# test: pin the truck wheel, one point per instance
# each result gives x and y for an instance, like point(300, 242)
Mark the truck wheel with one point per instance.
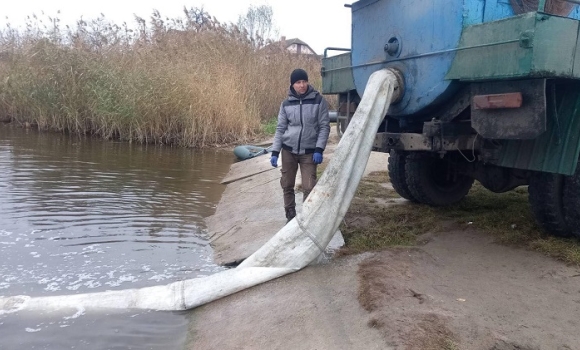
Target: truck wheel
point(572, 202)
point(397, 175)
point(433, 181)
point(546, 192)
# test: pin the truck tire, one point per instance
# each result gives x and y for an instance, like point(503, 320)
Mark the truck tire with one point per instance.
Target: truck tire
point(397, 175)
point(546, 192)
point(432, 181)
point(572, 202)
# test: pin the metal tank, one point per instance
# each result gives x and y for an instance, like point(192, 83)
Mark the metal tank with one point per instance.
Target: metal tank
point(423, 38)
point(491, 92)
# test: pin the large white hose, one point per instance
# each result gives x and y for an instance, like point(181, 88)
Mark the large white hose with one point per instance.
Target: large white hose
point(296, 245)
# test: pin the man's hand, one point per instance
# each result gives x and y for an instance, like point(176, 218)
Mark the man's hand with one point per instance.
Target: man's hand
point(274, 161)
point(317, 158)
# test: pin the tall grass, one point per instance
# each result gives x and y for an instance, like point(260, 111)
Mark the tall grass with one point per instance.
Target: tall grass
point(190, 81)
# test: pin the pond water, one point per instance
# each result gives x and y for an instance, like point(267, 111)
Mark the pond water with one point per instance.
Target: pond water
point(80, 215)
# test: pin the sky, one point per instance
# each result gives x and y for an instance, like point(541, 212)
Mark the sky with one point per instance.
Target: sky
point(319, 23)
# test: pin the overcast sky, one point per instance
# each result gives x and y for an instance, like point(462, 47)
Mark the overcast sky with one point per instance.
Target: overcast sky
point(320, 23)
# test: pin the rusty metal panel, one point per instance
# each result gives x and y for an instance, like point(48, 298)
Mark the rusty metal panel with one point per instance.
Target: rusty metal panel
point(402, 141)
point(558, 149)
point(387, 141)
point(526, 122)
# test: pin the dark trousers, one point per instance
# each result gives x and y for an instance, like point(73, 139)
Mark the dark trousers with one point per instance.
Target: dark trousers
point(290, 164)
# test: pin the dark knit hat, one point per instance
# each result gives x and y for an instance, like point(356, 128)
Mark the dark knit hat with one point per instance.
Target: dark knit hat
point(298, 74)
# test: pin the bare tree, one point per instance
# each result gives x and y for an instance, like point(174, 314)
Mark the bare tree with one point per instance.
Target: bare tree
point(258, 22)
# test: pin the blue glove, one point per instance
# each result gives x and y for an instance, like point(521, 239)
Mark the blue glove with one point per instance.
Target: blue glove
point(317, 158)
point(274, 161)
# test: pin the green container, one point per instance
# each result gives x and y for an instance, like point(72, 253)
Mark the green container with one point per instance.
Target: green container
point(337, 74)
point(529, 45)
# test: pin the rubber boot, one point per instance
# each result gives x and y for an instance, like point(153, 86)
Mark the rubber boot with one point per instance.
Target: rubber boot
point(290, 214)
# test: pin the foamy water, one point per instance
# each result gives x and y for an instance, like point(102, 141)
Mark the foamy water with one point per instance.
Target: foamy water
point(81, 216)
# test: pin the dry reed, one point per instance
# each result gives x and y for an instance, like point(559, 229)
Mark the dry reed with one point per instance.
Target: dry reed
point(190, 81)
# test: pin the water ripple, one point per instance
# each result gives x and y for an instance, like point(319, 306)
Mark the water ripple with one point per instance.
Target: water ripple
point(102, 211)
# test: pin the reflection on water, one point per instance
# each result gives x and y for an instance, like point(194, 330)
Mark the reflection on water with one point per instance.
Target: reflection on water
point(112, 329)
point(81, 215)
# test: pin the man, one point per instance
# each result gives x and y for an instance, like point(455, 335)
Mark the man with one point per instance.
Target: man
point(301, 136)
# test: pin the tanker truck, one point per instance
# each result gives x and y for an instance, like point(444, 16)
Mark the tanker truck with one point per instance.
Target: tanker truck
point(490, 91)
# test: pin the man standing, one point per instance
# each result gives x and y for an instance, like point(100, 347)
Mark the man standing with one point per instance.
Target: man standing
point(301, 135)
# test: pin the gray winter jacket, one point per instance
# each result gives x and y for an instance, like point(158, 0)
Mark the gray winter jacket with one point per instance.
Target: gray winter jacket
point(303, 123)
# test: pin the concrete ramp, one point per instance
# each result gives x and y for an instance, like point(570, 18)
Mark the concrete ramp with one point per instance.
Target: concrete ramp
point(248, 168)
point(237, 229)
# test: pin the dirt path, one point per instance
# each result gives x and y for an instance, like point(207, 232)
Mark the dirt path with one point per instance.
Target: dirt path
point(459, 290)
point(462, 291)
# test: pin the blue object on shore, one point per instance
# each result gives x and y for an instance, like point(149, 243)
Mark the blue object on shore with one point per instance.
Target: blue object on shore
point(244, 152)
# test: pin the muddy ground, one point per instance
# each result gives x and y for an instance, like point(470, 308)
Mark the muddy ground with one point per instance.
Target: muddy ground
point(457, 289)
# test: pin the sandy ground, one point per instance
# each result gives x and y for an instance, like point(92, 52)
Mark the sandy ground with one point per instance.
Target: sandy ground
point(457, 290)
point(461, 288)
